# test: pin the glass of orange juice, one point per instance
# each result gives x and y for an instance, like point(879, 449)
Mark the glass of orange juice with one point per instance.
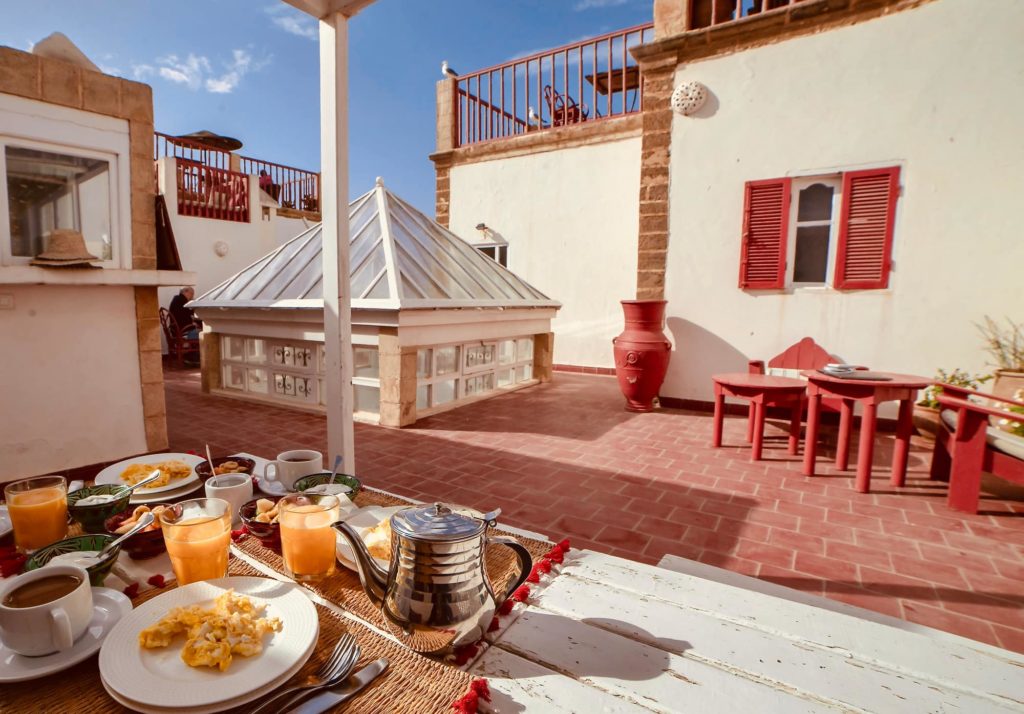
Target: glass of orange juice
point(307, 539)
point(38, 508)
point(198, 536)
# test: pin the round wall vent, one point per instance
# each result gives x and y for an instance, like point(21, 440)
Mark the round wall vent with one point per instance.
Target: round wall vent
point(688, 97)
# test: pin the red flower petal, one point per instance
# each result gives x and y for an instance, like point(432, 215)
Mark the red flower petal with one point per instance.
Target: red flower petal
point(157, 581)
point(132, 590)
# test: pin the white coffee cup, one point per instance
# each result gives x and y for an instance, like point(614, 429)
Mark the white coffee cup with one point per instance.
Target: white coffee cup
point(290, 466)
point(236, 489)
point(51, 626)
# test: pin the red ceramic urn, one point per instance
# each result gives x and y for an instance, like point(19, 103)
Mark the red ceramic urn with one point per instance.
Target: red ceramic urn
point(641, 353)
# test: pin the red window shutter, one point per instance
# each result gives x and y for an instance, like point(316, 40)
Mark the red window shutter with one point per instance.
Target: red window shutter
point(864, 253)
point(765, 226)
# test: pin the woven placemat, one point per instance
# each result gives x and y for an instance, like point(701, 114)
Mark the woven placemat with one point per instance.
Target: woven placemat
point(343, 588)
point(413, 683)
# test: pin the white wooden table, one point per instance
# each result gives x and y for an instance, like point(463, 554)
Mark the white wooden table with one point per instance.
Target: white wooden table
point(611, 635)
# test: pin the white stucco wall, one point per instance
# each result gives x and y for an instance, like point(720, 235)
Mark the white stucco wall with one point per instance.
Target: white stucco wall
point(936, 90)
point(196, 238)
point(69, 379)
point(570, 218)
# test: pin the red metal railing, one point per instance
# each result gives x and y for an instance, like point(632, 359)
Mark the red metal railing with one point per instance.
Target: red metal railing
point(580, 82)
point(209, 192)
point(289, 186)
point(705, 13)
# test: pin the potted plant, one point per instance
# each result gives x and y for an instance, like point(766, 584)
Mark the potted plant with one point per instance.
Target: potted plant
point(1006, 347)
point(926, 411)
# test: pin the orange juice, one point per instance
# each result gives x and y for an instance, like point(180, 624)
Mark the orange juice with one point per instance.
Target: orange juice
point(198, 547)
point(39, 511)
point(307, 539)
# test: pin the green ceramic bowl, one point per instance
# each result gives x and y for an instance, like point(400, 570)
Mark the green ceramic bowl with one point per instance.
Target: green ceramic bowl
point(78, 544)
point(325, 477)
point(92, 517)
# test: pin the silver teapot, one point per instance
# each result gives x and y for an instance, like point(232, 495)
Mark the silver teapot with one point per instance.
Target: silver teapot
point(435, 596)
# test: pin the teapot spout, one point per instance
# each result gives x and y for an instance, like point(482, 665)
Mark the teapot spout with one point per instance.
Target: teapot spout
point(374, 578)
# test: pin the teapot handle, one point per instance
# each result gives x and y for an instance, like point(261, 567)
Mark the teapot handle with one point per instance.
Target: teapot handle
point(525, 563)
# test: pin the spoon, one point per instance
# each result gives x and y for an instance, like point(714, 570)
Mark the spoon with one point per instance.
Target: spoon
point(152, 477)
point(209, 460)
point(337, 465)
point(147, 519)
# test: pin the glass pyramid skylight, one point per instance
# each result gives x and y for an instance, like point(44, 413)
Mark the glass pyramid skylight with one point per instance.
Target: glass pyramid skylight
point(399, 259)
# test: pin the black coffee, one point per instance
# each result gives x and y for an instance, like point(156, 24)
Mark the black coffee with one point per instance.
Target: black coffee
point(296, 459)
point(42, 591)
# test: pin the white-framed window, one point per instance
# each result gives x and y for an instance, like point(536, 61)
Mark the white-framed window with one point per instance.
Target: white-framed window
point(63, 168)
point(450, 373)
point(814, 214)
point(497, 252)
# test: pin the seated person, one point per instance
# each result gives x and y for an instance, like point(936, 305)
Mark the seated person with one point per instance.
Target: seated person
point(183, 317)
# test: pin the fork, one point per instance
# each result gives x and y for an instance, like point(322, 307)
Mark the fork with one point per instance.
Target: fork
point(335, 669)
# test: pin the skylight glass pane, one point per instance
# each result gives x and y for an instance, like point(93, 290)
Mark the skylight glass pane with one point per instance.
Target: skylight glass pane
point(364, 275)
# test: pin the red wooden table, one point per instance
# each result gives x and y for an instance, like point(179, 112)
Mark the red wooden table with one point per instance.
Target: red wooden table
point(763, 391)
point(869, 392)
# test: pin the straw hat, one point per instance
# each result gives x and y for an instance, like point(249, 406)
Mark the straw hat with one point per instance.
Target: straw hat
point(65, 248)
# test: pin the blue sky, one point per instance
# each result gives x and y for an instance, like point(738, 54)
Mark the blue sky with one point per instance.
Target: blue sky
point(249, 68)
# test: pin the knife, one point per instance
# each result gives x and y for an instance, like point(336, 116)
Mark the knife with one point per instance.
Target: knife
point(352, 686)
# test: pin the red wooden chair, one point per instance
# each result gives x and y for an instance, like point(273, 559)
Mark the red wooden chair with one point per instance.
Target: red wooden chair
point(564, 109)
point(803, 355)
point(966, 445)
point(179, 343)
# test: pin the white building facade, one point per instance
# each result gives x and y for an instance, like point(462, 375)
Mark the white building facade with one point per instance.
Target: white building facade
point(850, 178)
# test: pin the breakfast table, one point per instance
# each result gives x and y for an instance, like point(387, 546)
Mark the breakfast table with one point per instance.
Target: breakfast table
point(592, 632)
point(762, 391)
point(871, 393)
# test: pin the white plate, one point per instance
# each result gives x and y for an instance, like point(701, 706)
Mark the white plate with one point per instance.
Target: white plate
point(363, 520)
point(165, 496)
point(108, 606)
point(5, 522)
point(153, 678)
point(112, 474)
point(261, 691)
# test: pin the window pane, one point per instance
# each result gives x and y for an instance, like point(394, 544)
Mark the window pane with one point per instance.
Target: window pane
point(478, 385)
point(423, 358)
point(234, 348)
point(506, 377)
point(444, 392)
point(524, 348)
point(367, 362)
point(507, 352)
point(234, 377)
point(258, 381)
point(367, 399)
point(478, 355)
point(423, 396)
point(525, 372)
point(255, 351)
point(447, 360)
point(46, 191)
point(815, 203)
point(811, 259)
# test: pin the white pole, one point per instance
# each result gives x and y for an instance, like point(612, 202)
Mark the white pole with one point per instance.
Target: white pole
point(334, 209)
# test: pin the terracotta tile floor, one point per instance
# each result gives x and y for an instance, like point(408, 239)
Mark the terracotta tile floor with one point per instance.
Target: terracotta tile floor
point(565, 459)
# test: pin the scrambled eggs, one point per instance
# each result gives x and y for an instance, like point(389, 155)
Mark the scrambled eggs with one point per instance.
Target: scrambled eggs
point(233, 626)
point(169, 470)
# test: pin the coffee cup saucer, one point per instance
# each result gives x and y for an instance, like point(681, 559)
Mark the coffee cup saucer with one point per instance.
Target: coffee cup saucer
point(108, 606)
point(272, 488)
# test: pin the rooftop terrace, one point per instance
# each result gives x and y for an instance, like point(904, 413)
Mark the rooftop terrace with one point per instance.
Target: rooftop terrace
point(564, 459)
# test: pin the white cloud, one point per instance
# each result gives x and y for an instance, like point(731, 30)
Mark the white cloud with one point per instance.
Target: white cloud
point(236, 69)
point(293, 22)
point(196, 71)
point(189, 71)
point(596, 4)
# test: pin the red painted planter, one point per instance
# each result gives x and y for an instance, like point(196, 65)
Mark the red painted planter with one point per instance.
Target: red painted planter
point(641, 353)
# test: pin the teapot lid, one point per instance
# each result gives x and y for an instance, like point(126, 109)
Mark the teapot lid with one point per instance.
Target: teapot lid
point(438, 522)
